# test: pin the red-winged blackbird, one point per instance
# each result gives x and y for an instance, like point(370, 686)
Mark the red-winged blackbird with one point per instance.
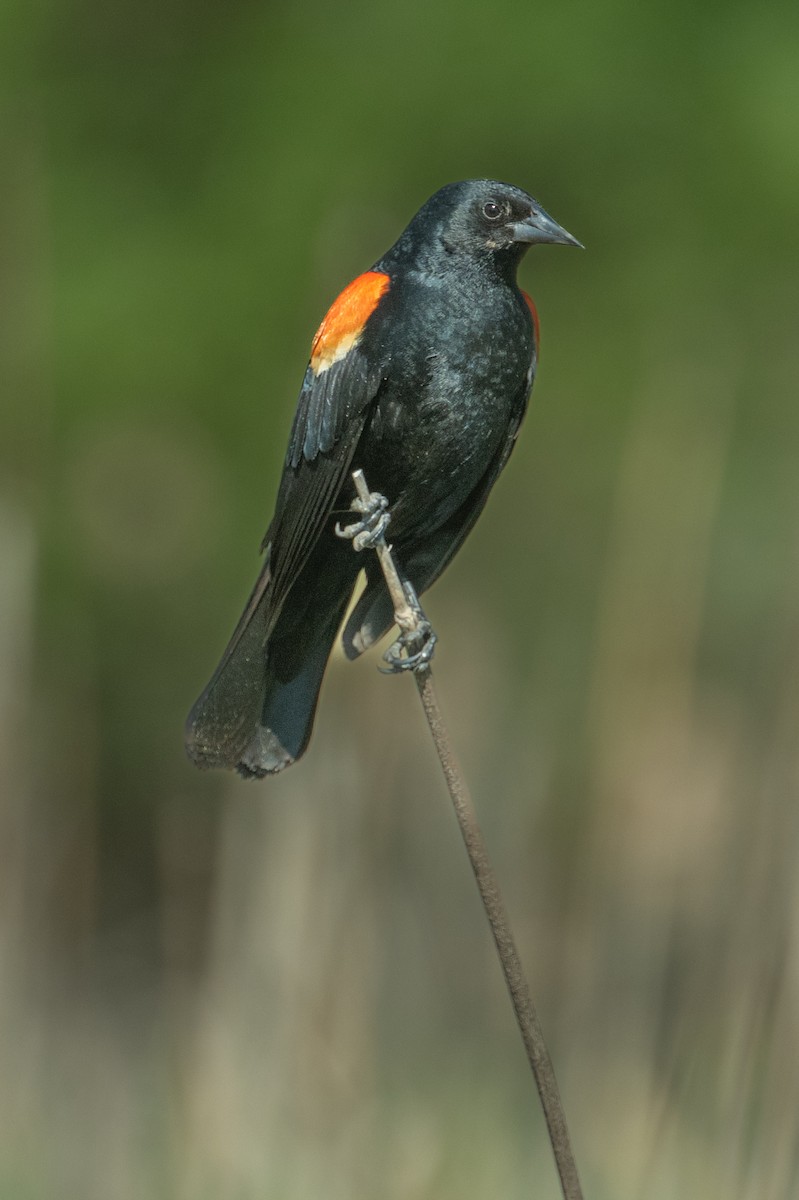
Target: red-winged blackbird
point(420, 375)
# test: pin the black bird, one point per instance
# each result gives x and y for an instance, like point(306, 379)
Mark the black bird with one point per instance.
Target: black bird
point(420, 375)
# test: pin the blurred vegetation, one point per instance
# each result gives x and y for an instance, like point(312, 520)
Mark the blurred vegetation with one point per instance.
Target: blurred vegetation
point(215, 989)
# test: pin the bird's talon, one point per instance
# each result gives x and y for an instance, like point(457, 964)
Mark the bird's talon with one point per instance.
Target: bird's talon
point(369, 531)
point(347, 531)
point(374, 502)
point(370, 537)
point(412, 651)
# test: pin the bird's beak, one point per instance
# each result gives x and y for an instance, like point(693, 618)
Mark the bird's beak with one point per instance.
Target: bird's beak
point(540, 227)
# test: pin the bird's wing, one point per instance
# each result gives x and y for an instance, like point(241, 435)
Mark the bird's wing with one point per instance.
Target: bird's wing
point(340, 383)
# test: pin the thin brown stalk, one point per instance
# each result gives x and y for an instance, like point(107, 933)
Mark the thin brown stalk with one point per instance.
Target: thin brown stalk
point(408, 619)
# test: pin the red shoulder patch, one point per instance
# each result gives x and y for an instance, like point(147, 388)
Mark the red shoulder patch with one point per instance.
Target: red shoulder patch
point(345, 320)
point(536, 327)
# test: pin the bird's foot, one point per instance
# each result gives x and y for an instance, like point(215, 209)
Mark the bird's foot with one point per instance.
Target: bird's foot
point(414, 648)
point(367, 533)
point(412, 651)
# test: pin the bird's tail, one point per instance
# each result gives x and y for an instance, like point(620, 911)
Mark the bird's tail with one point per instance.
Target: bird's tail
point(256, 715)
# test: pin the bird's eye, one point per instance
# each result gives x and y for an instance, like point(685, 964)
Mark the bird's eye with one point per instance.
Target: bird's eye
point(491, 210)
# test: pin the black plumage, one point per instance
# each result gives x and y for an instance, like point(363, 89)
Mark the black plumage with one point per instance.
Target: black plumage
point(420, 375)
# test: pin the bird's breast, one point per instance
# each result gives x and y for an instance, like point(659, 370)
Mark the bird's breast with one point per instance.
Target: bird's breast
point(446, 405)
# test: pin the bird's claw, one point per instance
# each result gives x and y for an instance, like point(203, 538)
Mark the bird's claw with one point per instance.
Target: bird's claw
point(412, 651)
point(414, 648)
point(367, 533)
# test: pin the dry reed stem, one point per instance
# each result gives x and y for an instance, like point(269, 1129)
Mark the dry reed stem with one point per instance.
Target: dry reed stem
point(529, 1026)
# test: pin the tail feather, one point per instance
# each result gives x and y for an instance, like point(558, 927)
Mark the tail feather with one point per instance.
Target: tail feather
point(256, 715)
point(289, 706)
point(221, 722)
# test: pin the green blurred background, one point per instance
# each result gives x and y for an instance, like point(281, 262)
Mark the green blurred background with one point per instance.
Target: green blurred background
point(214, 989)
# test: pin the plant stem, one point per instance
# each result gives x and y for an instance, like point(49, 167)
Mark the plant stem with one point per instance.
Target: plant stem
point(529, 1026)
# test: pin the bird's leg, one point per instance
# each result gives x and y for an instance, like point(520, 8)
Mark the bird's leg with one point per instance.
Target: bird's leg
point(414, 647)
point(367, 533)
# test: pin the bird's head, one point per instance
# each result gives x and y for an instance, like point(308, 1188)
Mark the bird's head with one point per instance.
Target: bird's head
point(485, 218)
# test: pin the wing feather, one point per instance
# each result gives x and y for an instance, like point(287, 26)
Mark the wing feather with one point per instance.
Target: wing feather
point(331, 414)
point(223, 719)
